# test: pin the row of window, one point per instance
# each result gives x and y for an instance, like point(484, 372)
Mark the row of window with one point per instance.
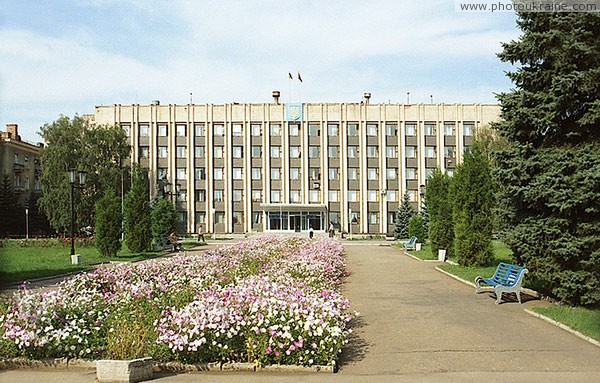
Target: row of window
point(295, 152)
point(314, 129)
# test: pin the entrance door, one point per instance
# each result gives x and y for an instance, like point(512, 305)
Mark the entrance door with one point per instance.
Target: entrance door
point(295, 223)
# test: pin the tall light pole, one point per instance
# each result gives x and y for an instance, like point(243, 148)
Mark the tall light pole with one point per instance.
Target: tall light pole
point(26, 224)
point(82, 176)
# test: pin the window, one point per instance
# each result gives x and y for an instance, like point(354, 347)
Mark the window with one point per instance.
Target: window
point(372, 129)
point(238, 218)
point(372, 152)
point(199, 151)
point(314, 173)
point(428, 172)
point(256, 217)
point(275, 173)
point(256, 151)
point(334, 196)
point(391, 196)
point(200, 217)
point(126, 129)
point(200, 195)
point(373, 174)
point(219, 217)
point(199, 128)
point(353, 130)
point(391, 218)
point(294, 173)
point(314, 130)
point(391, 152)
point(334, 173)
point(181, 216)
point(430, 152)
point(352, 151)
point(16, 158)
point(218, 195)
point(182, 152)
point(450, 172)
point(391, 130)
point(412, 195)
point(314, 152)
point(180, 130)
point(162, 152)
point(144, 152)
point(411, 129)
point(333, 129)
point(294, 152)
point(295, 196)
point(352, 196)
point(162, 130)
point(26, 183)
point(256, 129)
point(333, 152)
point(181, 196)
point(144, 130)
point(373, 218)
point(218, 173)
point(275, 151)
point(334, 217)
point(275, 129)
point(449, 151)
point(275, 196)
point(257, 195)
point(429, 129)
point(355, 217)
point(236, 195)
point(411, 174)
point(181, 173)
point(218, 130)
point(237, 130)
point(161, 173)
point(448, 129)
point(468, 128)
point(352, 173)
point(294, 129)
point(218, 152)
point(238, 152)
point(314, 196)
point(256, 173)
point(411, 152)
point(237, 174)
point(391, 174)
point(372, 195)
point(199, 173)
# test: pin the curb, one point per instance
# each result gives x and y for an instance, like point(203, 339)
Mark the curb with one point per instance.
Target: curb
point(564, 327)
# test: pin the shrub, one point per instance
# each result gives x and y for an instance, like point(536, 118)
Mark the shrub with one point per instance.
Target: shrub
point(164, 219)
point(416, 228)
point(108, 225)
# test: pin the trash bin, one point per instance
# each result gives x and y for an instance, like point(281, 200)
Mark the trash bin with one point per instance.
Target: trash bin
point(442, 255)
point(418, 246)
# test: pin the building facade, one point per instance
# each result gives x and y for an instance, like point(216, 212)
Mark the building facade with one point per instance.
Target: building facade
point(278, 167)
point(20, 160)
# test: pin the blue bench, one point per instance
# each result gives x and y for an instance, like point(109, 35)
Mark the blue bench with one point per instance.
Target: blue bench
point(507, 278)
point(411, 243)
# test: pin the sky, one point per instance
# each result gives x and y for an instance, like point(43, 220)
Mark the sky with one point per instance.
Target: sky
point(60, 57)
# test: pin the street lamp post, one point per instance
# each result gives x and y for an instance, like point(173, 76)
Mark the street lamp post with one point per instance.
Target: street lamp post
point(26, 224)
point(82, 176)
point(214, 214)
point(350, 222)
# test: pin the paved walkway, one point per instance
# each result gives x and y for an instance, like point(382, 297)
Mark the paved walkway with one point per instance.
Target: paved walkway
point(418, 325)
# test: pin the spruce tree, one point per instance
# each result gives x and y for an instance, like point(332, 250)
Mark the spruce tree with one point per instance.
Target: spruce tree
point(472, 211)
point(10, 208)
point(108, 225)
point(164, 219)
point(138, 214)
point(403, 214)
point(549, 171)
point(439, 206)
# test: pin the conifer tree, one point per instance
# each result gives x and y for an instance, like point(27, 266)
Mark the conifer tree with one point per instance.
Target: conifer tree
point(403, 214)
point(138, 214)
point(9, 207)
point(439, 206)
point(164, 219)
point(108, 225)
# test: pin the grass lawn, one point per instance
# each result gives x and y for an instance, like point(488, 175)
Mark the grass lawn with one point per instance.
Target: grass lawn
point(585, 321)
point(424, 254)
point(23, 263)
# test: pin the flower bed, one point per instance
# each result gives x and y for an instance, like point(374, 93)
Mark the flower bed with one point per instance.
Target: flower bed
point(266, 301)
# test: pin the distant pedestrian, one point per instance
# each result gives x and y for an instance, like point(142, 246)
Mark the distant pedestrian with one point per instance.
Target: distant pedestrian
point(331, 230)
point(201, 234)
point(311, 233)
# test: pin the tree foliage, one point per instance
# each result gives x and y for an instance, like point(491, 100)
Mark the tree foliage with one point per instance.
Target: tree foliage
point(74, 144)
point(550, 171)
point(473, 197)
point(164, 219)
point(439, 207)
point(108, 225)
point(403, 214)
point(138, 213)
point(416, 227)
point(12, 212)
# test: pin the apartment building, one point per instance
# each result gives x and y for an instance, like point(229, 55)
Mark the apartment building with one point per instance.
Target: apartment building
point(275, 167)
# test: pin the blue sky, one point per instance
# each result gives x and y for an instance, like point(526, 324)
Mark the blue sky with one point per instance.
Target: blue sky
point(65, 57)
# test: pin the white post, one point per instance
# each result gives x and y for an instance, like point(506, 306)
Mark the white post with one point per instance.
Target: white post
point(214, 214)
point(27, 224)
point(350, 222)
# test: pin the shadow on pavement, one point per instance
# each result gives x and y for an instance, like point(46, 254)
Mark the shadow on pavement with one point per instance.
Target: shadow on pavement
point(357, 347)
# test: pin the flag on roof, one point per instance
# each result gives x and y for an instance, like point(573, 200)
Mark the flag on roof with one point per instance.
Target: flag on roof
point(289, 74)
point(299, 77)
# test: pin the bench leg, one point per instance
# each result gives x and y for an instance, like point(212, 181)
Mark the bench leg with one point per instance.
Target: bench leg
point(498, 290)
point(477, 285)
point(518, 294)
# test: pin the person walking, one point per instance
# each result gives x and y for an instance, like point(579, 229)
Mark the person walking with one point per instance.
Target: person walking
point(311, 233)
point(201, 234)
point(331, 230)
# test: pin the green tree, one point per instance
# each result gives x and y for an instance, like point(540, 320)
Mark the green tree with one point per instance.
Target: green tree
point(472, 190)
point(439, 207)
point(425, 214)
point(138, 213)
point(75, 144)
point(164, 219)
point(108, 225)
point(38, 223)
point(403, 214)
point(416, 227)
point(550, 170)
point(10, 208)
